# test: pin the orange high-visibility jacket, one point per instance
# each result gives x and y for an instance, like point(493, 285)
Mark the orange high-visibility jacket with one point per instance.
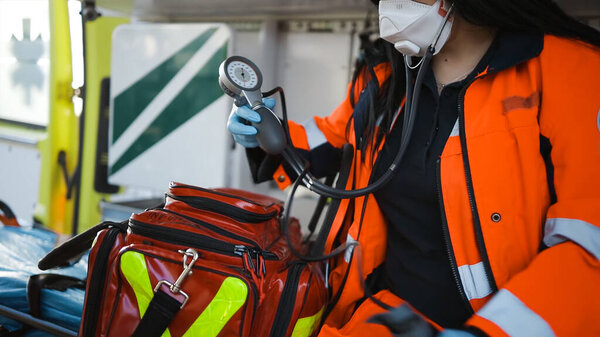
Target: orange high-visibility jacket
point(497, 196)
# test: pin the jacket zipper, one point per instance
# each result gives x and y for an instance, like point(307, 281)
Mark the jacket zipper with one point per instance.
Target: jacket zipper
point(223, 208)
point(447, 240)
point(212, 227)
point(97, 282)
point(184, 238)
point(470, 190)
point(287, 302)
point(222, 194)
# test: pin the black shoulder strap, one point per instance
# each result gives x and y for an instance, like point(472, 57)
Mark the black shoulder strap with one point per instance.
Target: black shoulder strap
point(161, 311)
point(78, 244)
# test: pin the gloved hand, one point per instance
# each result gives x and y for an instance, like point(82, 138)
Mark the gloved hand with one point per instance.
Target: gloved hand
point(244, 134)
point(402, 321)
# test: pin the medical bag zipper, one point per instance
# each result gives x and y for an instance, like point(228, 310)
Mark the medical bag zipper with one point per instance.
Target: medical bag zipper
point(287, 302)
point(193, 240)
point(182, 186)
point(212, 227)
point(223, 208)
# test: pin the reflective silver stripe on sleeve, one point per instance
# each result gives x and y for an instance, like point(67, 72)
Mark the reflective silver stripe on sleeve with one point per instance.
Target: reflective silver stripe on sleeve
point(313, 134)
point(474, 281)
point(514, 317)
point(584, 234)
point(349, 250)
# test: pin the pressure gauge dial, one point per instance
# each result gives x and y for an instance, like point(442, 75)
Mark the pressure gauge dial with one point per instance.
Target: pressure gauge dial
point(238, 73)
point(241, 79)
point(243, 75)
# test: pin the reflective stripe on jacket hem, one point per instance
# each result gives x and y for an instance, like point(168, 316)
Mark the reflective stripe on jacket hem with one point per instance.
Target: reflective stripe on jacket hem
point(586, 235)
point(514, 317)
point(474, 281)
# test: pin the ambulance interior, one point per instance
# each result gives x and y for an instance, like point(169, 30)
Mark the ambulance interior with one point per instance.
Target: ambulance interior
point(105, 102)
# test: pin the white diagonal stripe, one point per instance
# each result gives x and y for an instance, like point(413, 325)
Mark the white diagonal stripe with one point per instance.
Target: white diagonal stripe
point(455, 130)
point(474, 281)
point(514, 317)
point(170, 91)
point(314, 135)
point(586, 235)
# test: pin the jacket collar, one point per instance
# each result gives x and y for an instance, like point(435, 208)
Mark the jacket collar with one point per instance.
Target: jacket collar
point(512, 49)
point(508, 49)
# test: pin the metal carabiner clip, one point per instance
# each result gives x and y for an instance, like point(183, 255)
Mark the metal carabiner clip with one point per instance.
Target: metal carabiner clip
point(175, 287)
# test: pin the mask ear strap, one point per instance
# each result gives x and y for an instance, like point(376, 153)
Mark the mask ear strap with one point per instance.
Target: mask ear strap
point(408, 62)
point(439, 32)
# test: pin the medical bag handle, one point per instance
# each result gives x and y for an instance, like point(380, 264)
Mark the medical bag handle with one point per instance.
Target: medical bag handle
point(76, 245)
point(8, 218)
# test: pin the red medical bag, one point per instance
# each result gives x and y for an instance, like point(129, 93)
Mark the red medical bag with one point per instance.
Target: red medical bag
point(209, 262)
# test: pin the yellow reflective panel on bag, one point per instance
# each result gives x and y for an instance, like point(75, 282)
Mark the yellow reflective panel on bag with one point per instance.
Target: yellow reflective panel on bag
point(306, 326)
point(228, 300)
point(133, 266)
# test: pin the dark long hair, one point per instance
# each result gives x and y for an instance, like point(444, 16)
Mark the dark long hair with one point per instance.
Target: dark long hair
point(517, 16)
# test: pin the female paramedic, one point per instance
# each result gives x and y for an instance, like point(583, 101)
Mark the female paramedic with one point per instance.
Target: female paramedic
point(490, 223)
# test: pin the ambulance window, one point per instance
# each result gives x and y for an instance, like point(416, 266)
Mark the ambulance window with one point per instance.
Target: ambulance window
point(76, 29)
point(24, 61)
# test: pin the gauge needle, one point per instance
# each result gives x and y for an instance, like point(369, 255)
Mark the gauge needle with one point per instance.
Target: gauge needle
point(243, 76)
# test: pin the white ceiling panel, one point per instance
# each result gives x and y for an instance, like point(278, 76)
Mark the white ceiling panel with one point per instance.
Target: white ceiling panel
point(186, 10)
point(237, 10)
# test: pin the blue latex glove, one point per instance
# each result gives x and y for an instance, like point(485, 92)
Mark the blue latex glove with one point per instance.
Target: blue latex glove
point(243, 134)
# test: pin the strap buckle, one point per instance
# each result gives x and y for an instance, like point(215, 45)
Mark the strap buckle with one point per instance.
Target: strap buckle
point(175, 287)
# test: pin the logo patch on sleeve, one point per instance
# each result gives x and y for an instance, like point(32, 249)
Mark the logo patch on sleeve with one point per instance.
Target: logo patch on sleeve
point(519, 102)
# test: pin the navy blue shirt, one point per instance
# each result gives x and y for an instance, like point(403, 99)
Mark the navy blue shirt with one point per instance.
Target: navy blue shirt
point(417, 266)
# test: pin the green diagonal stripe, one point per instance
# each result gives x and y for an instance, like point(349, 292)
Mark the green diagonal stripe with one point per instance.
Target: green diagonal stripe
point(131, 102)
point(202, 90)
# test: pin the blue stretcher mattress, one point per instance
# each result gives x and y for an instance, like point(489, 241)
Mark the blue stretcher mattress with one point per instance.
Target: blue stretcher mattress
point(20, 250)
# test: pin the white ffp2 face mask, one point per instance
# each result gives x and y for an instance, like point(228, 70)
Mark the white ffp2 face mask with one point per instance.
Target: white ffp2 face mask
point(412, 26)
